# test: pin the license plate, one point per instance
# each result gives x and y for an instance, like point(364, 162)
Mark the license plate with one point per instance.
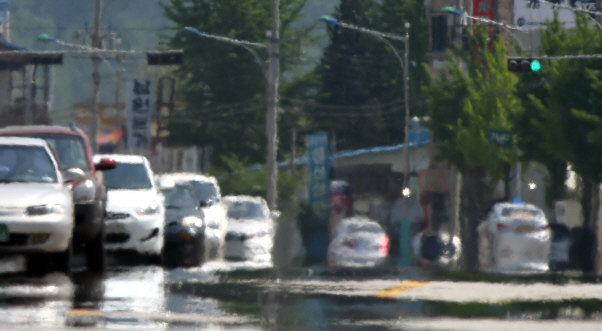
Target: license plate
point(4, 234)
point(115, 228)
point(524, 229)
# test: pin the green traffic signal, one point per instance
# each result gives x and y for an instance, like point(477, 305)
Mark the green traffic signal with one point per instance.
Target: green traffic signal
point(535, 65)
point(523, 65)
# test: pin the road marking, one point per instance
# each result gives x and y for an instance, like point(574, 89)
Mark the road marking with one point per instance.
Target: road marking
point(85, 312)
point(393, 292)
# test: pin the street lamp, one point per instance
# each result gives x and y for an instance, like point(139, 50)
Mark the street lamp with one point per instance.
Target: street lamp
point(242, 43)
point(404, 250)
point(271, 74)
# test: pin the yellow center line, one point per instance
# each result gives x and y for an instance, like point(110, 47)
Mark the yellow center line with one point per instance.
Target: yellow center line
point(85, 312)
point(393, 292)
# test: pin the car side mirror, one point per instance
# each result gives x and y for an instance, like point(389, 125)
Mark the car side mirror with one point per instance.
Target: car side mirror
point(105, 163)
point(74, 175)
point(203, 204)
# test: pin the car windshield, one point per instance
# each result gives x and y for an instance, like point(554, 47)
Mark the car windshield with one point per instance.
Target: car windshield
point(128, 176)
point(518, 212)
point(245, 210)
point(180, 197)
point(27, 164)
point(205, 191)
point(363, 227)
point(69, 150)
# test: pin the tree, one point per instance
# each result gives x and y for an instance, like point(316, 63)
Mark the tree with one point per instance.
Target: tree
point(361, 90)
point(473, 97)
point(221, 82)
point(563, 123)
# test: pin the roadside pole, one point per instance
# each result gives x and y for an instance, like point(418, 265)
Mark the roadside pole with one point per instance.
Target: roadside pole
point(272, 103)
point(96, 43)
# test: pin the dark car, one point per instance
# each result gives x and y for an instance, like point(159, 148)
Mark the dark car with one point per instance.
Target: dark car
point(72, 149)
point(184, 227)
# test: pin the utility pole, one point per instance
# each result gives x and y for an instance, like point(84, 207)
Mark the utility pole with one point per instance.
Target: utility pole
point(272, 103)
point(120, 116)
point(29, 75)
point(293, 149)
point(405, 237)
point(96, 43)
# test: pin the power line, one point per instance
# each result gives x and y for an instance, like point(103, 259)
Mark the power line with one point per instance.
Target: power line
point(562, 57)
point(87, 51)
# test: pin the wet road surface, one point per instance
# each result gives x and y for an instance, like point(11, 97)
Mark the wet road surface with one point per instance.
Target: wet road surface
point(234, 296)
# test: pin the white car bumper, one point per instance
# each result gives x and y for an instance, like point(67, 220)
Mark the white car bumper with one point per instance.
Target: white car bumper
point(258, 248)
point(522, 252)
point(48, 233)
point(143, 234)
point(340, 257)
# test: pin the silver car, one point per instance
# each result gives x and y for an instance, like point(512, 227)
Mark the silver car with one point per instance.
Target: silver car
point(515, 237)
point(358, 242)
point(36, 205)
point(251, 228)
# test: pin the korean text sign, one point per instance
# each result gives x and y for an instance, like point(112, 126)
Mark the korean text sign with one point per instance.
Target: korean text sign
point(318, 165)
point(139, 111)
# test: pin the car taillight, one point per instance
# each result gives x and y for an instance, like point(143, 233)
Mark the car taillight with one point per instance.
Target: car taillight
point(502, 227)
point(545, 228)
point(348, 242)
point(384, 245)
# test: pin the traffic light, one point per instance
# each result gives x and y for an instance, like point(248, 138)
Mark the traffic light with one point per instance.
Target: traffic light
point(523, 65)
point(164, 58)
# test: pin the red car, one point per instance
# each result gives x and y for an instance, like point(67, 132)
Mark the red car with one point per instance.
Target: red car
point(72, 150)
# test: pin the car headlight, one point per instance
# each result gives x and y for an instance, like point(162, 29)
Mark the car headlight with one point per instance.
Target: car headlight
point(44, 210)
point(149, 210)
point(192, 221)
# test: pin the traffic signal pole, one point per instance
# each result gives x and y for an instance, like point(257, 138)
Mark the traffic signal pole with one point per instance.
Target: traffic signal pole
point(96, 43)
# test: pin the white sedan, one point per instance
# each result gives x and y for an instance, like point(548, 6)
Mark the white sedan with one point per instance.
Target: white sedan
point(250, 235)
point(135, 212)
point(515, 237)
point(36, 208)
point(358, 242)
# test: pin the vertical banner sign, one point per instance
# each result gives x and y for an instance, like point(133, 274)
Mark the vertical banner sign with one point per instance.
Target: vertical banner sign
point(318, 165)
point(139, 110)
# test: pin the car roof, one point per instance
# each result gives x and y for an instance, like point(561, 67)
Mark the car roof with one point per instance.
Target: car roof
point(498, 207)
point(40, 129)
point(122, 158)
point(23, 141)
point(359, 220)
point(188, 176)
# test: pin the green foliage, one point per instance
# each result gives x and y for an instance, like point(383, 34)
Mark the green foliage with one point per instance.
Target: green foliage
point(237, 178)
point(563, 122)
point(473, 97)
point(362, 74)
point(222, 83)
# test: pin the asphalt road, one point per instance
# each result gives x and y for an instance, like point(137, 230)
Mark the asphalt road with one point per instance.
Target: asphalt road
point(244, 296)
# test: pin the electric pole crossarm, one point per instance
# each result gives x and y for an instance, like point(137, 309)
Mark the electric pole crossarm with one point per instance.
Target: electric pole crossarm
point(372, 32)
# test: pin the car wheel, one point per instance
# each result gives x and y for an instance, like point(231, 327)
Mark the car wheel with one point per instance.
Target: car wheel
point(38, 264)
point(157, 259)
point(62, 260)
point(199, 254)
point(95, 254)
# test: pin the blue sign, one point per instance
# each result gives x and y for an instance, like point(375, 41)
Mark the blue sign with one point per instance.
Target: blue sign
point(319, 174)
